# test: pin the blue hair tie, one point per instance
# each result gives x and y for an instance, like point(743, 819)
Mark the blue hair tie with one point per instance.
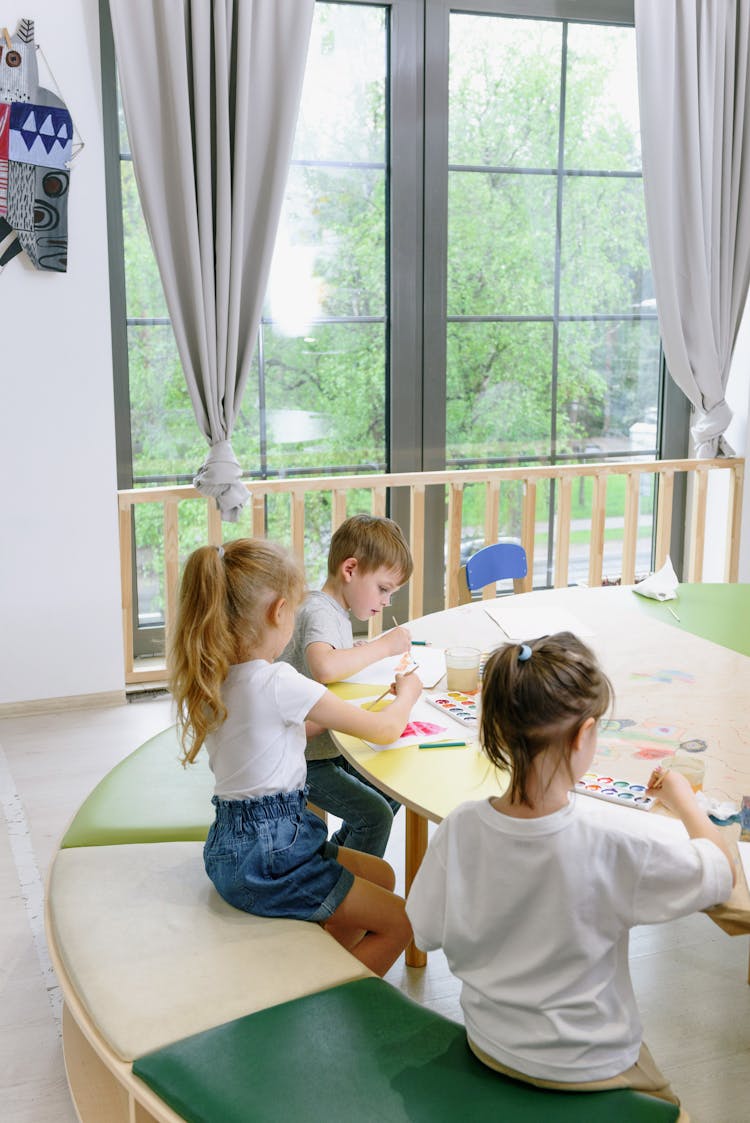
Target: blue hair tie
point(524, 654)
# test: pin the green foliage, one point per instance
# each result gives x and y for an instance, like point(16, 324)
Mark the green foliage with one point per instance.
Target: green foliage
point(522, 385)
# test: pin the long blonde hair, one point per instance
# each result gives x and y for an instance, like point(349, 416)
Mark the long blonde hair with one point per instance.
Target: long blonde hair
point(224, 595)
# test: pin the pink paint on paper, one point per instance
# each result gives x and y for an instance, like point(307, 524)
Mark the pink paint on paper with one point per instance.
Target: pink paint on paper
point(422, 729)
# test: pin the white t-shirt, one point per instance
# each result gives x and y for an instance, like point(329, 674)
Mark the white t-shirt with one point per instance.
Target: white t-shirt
point(534, 916)
point(260, 748)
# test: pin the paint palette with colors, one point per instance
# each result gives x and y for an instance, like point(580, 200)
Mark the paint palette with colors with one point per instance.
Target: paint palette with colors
point(615, 790)
point(461, 707)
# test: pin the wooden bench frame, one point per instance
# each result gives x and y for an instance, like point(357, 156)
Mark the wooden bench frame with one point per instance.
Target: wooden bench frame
point(101, 1085)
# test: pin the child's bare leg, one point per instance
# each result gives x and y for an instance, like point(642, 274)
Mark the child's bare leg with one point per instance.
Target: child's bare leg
point(379, 914)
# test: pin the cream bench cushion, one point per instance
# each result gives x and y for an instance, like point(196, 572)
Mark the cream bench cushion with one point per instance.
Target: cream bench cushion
point(154, 954)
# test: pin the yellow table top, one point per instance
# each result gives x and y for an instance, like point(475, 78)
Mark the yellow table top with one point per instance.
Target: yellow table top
point(671, 687)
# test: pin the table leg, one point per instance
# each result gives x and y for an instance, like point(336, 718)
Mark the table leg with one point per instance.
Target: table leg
point(416, 844)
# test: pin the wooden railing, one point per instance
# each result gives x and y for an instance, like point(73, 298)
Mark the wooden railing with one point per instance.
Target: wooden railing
point(454, 484)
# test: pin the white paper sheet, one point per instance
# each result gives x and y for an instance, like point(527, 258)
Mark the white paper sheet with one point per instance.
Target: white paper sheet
point(430, 667)
point(521, 621)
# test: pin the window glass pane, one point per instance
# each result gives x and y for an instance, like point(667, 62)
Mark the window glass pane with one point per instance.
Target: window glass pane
point(145, 296)
point(604, 263)
point(121, 126)
point(498, 392)
point(548, 230)
point(602, 128)
point(325, 398)
point(607, 395)
point(330, 250)
point(501, 244)
point(342, 115)
point(165, 437)
point(496, 65)
point(149, 564)
point(322, 367)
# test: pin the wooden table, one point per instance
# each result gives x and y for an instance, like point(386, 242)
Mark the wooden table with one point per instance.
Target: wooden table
point(675, 681)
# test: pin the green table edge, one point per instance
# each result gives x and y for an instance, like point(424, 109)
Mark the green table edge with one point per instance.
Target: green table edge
point(720, 613)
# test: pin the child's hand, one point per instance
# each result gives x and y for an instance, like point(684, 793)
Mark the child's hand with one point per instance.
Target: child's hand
point(397, 641)
point(408, 686)
point(672, 788)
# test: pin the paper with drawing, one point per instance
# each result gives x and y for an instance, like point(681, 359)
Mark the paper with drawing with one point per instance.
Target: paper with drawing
point(425, 725)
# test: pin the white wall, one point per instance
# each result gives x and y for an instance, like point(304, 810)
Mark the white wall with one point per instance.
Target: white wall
point(60, 625)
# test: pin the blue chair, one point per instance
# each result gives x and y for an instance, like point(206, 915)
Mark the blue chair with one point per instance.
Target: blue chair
point(495, 563)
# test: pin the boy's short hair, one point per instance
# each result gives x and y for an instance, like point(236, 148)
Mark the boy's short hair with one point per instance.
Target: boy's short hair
point(374, 541)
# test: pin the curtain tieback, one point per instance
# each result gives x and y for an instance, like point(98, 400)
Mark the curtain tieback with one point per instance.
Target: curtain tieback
point(220, 476)
point(708, 432)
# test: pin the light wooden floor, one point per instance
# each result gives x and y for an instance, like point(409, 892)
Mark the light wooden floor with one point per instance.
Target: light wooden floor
point(690, 978)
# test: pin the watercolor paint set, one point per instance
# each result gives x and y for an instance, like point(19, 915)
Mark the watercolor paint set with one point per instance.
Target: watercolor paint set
point(461, 707)
point(616, 791)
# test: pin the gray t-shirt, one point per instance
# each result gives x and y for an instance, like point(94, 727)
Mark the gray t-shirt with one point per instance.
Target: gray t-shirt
point(321, 619)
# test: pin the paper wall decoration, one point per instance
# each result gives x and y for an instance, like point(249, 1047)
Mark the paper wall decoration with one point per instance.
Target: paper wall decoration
point(36, 147)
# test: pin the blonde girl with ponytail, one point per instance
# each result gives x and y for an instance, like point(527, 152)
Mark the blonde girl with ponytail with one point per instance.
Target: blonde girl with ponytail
point(266, 852)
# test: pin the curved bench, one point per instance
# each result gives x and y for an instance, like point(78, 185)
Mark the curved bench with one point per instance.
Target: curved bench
point(147, 952)
point(180, 1007)
point(147, 797)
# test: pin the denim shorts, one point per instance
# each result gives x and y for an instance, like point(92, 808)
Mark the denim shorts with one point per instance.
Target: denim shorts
point(270, 856)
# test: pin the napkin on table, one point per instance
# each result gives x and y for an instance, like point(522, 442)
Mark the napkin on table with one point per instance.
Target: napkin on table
point(661, 585)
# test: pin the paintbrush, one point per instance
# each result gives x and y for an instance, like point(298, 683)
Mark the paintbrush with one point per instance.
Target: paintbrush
point(497, 622)
point(656, 779)
point(414, 642)
point(387, 690)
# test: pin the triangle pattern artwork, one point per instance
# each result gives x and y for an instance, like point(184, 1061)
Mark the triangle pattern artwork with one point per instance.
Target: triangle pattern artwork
point(36, 143)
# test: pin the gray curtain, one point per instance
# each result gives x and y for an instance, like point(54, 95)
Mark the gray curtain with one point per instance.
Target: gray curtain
point(693, 60)
point(211, 92)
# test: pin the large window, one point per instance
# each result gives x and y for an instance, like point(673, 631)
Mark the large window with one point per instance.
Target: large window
point(461, 274)
point(552, 348)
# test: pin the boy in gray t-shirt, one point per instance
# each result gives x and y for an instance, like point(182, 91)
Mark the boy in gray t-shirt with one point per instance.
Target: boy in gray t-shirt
point(369, 559)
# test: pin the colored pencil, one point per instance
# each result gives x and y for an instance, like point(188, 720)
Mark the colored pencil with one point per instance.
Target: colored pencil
point(443, 745)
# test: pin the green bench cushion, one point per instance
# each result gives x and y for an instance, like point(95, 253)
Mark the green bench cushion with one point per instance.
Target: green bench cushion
point(148, 797)
point(360, 1052)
